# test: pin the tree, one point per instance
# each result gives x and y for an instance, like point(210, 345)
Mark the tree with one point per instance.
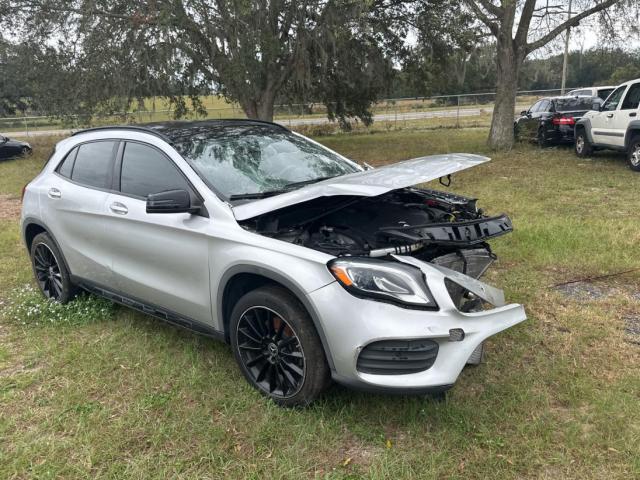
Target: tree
point(14, 89)
point(521, 27)
point(250, 51)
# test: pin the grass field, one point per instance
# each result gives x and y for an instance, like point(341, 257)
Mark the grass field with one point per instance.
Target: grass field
point(103, 392)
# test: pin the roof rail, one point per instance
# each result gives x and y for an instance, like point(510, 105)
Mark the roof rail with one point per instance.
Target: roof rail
point(136, 128)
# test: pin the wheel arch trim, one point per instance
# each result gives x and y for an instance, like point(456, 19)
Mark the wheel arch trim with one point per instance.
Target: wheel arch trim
point(586, 124)
point(632, 129)
point(296, 290)
point(26, 222)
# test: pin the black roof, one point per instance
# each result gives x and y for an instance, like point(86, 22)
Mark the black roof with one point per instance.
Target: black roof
point(172, 131)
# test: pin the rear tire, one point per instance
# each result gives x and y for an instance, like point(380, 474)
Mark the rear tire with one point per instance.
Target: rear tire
point(633, 154)
point(541, 138)
point(50, 271)
point(278, 348)
point(25, 152)
point(582, 146)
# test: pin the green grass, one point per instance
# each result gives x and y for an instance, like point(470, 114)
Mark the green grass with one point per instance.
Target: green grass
point(117, 394)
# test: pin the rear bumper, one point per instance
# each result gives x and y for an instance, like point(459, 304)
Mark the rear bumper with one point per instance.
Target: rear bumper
point(561, 134)
point(350, 324)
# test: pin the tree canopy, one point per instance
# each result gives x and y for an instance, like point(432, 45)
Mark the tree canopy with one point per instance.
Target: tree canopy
point(251, 52)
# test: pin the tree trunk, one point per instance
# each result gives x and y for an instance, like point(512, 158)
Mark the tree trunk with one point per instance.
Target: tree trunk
point(265, 109)
point(260, 108)
point(509, 63)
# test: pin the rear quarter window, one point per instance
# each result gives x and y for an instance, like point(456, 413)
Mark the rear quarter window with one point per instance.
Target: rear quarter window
point(66, 166)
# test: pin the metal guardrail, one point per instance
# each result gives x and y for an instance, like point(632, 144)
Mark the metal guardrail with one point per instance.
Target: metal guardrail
point(438, 110)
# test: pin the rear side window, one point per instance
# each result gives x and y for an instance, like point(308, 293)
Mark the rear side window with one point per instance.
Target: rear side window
point(66, 167)
point(536, 107)
point(146, 170)
point(545, 105)
point(93, 164)
point(632, 99)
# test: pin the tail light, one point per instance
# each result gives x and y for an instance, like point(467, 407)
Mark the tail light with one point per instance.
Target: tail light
point(563, 121)
point(24, 189)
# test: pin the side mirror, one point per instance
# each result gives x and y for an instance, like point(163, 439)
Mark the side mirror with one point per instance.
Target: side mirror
point(597, 107)
point(524, 113)
point(171, 201)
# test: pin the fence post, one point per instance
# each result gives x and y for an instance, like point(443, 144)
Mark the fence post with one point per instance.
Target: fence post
point(458, 113)
point(26, 125)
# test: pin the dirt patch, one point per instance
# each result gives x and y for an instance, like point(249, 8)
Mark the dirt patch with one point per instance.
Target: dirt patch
point(584, 291)
point(9, 207)
point(632, 329)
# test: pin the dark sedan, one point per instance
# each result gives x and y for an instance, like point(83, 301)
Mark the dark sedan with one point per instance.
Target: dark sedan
point(13, 148)
point(552, 120)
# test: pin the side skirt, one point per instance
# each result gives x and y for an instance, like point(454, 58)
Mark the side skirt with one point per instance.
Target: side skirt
point(163, 314)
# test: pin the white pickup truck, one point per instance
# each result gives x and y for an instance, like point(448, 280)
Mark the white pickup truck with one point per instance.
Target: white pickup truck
point(614, 125)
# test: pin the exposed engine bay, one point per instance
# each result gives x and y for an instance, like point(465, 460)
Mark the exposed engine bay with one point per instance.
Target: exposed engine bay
point(433, 226)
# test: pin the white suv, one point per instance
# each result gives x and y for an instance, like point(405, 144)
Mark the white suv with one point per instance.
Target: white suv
point(616, 125)
point(601, 92)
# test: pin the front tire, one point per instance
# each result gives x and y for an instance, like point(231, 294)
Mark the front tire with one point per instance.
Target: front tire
point(50, 271)
point(633, 154)
point(278, 348)
point(583, 147)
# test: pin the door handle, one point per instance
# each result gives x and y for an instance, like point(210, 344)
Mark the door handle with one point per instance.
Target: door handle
point(119, 208)
point(54, 193)
point(610, 115)
point(632, 114)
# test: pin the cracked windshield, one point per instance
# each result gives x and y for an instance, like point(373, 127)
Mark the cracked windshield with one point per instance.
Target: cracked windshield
point(254, 162)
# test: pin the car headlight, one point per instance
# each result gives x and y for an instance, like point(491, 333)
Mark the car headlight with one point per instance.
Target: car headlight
point(383, 280)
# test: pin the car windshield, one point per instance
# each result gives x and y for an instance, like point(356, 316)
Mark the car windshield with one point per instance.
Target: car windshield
point(249, 161)
point(575, 104)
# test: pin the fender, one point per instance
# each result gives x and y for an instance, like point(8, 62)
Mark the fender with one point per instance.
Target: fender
point(632, 128)
point(33, 221)
point(586, 124)
point(292, 287)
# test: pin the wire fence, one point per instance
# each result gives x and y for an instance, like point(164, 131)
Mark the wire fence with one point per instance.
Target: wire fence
point(441, 111)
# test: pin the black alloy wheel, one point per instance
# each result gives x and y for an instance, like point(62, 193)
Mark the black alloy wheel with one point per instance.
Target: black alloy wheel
point(277, 346)
point(271, 352)
point(48, 273)
point(50, 270)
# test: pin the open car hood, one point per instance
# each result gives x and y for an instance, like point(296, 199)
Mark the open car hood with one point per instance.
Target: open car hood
point(368, 183)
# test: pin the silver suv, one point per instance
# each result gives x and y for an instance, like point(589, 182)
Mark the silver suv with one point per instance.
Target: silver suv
point(311, 266)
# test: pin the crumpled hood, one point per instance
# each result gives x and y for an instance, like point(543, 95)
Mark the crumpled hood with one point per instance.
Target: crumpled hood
point(368, 183)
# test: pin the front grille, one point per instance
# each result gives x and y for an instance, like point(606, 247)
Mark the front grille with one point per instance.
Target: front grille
point(397, 357)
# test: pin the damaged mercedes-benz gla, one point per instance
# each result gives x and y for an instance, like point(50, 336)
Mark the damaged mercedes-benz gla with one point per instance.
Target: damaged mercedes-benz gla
point(310, 265)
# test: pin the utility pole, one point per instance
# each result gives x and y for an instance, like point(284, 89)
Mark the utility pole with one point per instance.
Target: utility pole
point(566, 53)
